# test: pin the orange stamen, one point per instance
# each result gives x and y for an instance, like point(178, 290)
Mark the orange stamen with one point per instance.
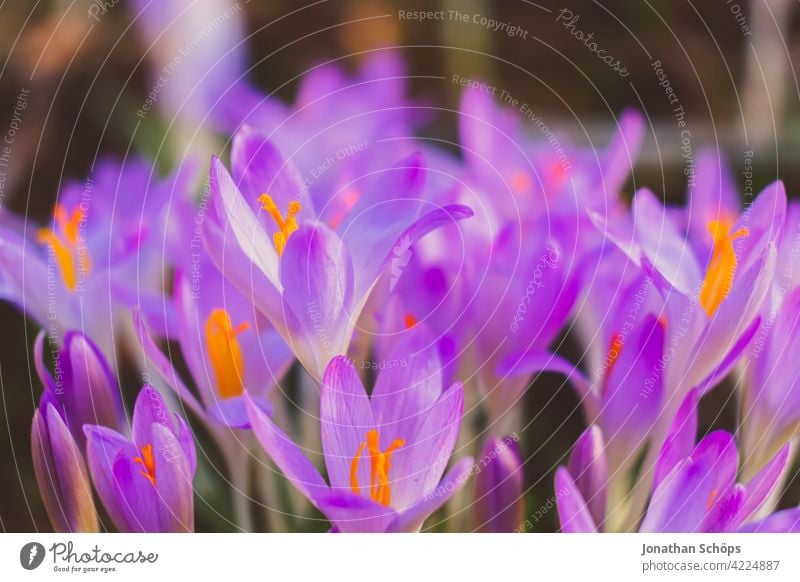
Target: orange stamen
point(380, 462)
point(286, 226)
point(711, 499)
point(71, 257)
point(225, 353)
point(410, 321)
point(722, 267)
point(147, 461)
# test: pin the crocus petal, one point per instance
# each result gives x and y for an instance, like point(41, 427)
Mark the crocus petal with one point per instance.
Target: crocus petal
point(679, 502)
point(419, 464)
point(620, 155)
point(663, 244)
point(351, 513)
point(317, 276)
point(722, 515)
point(633, 388)
point(90, 393)
point(680, 440)
point(135, 497)
point(573, 513)
point(61, 474)
point(286, 455)
point(186, 442)
point(760, 486)
point(260, 168)
point(535, 362)
point(402, 391)
point(345, 418)
point(587, 463)
point(232, 412)
point(499, 503)
point(786, 521)
point(173, 482)
point(412, 518)
point(733, 318)
point(713, 196)
point(165, 368)
point(731, 358)
point(149, 409)
point(251, 238)
point(764, 220)
point(41, 369)
point(102, 447)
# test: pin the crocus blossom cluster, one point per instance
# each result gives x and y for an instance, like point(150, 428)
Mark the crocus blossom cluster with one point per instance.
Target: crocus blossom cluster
point(353, 316)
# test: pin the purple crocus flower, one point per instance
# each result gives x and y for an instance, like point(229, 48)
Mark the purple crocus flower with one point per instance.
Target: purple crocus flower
point(528, 172)
point(499, 504)
point(385, 453)
point(82, 387)
point(228, 347)
point(694, 487)
point(309, 278)
point(106, 233)
point(61, 472)
point(145, 482)
point(771, 376)
point(709, 317)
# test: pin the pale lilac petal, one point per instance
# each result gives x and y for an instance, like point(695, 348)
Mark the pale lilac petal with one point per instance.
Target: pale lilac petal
point(419, 464)
point(587, 464)
point(573, 513)
point(239, 217)
point(345, 417)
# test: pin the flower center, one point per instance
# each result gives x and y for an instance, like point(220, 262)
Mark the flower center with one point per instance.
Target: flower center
point(72, 257)
point(409, 320)
point(380, 462)
point(286, 226)
point(225, 353)
point(147, 461)
point(722, 267)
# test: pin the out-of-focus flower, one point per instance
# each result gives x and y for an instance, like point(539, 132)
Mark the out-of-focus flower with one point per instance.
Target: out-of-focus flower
point(61, 472)
point(145, 483)
point(694, 487)
point(526, 174)
point(384, 454)
point(196, 55)
point(82, 388)
point(339, 129)
point(309, 278)
point(499, 504)
point(105, 247)
point(228, 347)
point(709, 315)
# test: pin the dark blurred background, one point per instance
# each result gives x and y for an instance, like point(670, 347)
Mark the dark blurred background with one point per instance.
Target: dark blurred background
point(731, 64)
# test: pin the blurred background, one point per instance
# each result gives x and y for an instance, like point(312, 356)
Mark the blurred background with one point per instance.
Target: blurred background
point(75, 74)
